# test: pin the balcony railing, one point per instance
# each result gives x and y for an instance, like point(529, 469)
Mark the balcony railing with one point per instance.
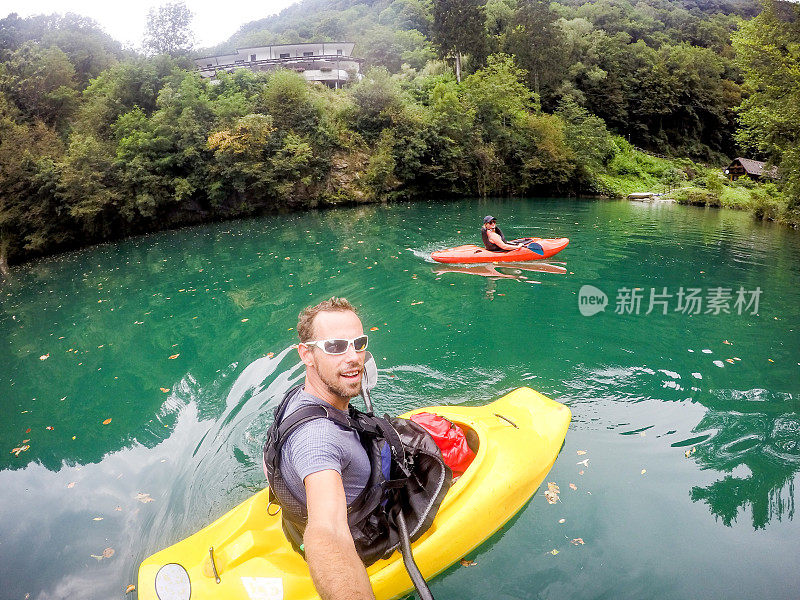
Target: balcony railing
point(298, 63)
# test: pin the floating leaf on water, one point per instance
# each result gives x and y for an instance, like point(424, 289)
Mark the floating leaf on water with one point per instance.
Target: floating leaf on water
point(174, 356)
point(373, 329)
point(107, 421)
point(644, 471)
point(71, 485)
point(17, 451)
point(415, 303)
point(97, 519)
point(562, 521)
point(584, 462)
point(165, 390)
point(581, 452)
point(97, 557)
point(553, 487)
point(49, 428)
point(726, 342)
point(572, 486)
point(580, 472)
point(118, 508)
point(552, 497)
point(553, 552)
point(130, 588)
point(44, 356)
point(144, 498)
point(28, 430)
point(270, 354)
point(108, 553)
point(468, 563)
point(577, 542)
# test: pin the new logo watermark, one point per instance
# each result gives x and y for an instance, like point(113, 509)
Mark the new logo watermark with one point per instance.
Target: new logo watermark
point(591, 300)
point(687, 301)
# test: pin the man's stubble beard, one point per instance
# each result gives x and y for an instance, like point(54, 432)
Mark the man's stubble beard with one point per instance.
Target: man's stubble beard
point(339, 388)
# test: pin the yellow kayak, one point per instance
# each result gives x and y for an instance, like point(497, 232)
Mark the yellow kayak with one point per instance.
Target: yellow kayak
point(518, 438)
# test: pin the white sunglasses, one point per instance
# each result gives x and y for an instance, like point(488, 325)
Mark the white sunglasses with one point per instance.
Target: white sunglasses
point(339, 346)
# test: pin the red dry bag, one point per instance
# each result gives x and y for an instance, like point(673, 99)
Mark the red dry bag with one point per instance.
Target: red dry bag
point(450, 438)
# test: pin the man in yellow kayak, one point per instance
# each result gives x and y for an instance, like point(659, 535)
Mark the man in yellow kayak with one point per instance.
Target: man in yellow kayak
point(493, 238)
point(328, 464)
point(334, 366)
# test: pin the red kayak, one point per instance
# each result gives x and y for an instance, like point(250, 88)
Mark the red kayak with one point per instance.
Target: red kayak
point(535, 249)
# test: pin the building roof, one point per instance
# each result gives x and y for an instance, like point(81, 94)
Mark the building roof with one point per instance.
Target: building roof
point(756, 167)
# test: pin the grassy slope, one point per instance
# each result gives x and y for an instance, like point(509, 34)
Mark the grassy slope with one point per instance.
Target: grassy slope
point(632, 170)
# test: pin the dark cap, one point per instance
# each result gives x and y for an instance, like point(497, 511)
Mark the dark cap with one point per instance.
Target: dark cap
point(488, 219)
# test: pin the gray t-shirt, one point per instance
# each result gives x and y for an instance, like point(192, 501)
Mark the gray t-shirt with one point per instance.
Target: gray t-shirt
point(320, 445)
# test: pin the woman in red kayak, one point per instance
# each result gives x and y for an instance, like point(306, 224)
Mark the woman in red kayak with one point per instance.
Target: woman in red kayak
point(493, 238)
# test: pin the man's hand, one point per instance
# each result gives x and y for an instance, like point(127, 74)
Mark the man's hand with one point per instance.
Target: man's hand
point(336, 569)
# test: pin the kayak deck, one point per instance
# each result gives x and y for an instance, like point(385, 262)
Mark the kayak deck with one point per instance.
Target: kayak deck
point(519, 437)
point(471, 253)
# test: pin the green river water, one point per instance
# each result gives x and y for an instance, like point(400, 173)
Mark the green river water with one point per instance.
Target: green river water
point(689, 420)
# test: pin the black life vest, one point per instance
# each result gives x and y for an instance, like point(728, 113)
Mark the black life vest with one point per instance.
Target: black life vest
point(406, 473)
point(490, 245)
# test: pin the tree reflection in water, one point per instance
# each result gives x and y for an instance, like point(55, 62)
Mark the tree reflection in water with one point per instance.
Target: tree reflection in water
point(766, 443)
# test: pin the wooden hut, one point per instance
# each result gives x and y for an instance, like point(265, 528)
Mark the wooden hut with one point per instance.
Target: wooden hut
point(754, 169)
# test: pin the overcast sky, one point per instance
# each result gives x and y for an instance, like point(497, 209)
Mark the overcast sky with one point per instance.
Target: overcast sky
point(213, 22)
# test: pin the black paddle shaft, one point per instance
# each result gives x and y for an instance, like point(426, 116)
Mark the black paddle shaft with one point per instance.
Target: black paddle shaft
point(408, 559)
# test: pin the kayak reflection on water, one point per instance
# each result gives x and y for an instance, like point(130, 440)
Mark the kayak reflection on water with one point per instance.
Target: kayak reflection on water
point(494, 272)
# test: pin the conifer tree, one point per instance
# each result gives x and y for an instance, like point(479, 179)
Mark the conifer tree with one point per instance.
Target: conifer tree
point(459, 27)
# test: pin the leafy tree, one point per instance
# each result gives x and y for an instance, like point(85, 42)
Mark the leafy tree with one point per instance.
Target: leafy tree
point(459, 27)
point(168, 29)
point(41, 82)
point(377, 99)
point(390, 48)
point(88, 184)
point(768, 52)
point(589, 139)
point(133, 83)
point(498, 94)
point(536, 42)
point(31, 218)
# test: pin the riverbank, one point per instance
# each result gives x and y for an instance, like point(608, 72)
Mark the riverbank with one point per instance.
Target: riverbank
point(633, 171)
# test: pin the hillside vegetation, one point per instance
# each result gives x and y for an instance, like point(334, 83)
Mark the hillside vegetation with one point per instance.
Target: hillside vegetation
point(553, 98)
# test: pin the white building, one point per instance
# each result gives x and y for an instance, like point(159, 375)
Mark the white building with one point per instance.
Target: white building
point(330, 63)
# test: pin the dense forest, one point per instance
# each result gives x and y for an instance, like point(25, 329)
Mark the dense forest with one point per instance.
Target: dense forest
point(459, 98)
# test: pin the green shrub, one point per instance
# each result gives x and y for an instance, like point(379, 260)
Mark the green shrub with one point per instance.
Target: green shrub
point(697, 196)
point(767, 202)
